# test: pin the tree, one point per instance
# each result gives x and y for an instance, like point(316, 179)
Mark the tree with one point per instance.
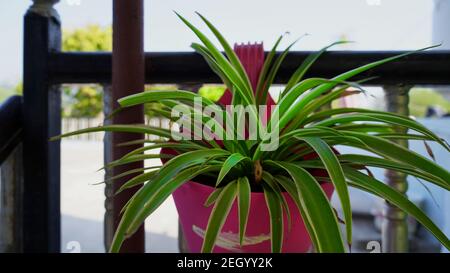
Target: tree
point(212, 92)
point(6, 92)
point(423, 98)
point(89, 38)
point(85, 100)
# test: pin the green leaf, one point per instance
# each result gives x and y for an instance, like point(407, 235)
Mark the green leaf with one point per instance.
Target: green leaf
point(215, 67)
point(303, 132)
point(231, 161)
point(244, 200)
point(223, 63)
point(172, 145)
point(322, 101)
point(271, 182)
point(307, 63)
point(140, 141)
point(397, 152)
point(276, 218)
point(157, 95)
point(291, 189)
point(365, 160)
point(328, 98)
point(229, 51)
point(222, 73)
point(316, 92)
point(289, 106)
point(381, 129)
point(295, 92)
point(137, 180)
point(134, 158)
point(387, 118)
point(317, 208)
point(141, 205)
point(336, 174)
point(369, 184)
point(179, 163)
point(162, 191)
point(265, 69)
point(399, 136)
point(261, 100)
point(218, 216)
point(212, 197)
point(142, 129)
point(359, 70)
point(132, 171)
point(154, 194)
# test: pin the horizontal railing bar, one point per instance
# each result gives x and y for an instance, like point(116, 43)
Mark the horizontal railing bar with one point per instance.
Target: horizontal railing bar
point(10, 125)
point(424, 68)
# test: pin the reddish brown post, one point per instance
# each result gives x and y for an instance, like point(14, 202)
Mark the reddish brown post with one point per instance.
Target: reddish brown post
point(128, 78)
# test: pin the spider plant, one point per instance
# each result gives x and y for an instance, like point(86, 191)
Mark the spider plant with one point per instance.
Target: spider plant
point(239, 167)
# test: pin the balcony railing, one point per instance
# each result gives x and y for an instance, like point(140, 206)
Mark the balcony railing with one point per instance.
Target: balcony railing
point(424, 68)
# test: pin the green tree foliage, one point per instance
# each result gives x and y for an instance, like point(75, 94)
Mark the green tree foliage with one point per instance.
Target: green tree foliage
point(86, 100)
point(212, 92)
point(18, 89)
point(6, 92)
point(422, 98)
point(89, 38)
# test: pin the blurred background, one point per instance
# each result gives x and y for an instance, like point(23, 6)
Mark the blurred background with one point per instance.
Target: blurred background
point(371, 24)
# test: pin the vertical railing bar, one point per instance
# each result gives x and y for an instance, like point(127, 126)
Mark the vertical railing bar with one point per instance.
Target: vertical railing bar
point(42, 120)
point(108, 224)
point(394, 226)
point(128, 69)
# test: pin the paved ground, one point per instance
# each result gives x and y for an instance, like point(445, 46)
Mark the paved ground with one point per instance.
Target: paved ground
point(82, 204)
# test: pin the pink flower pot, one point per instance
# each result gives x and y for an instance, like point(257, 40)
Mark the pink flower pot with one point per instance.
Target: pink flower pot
point(190, 199)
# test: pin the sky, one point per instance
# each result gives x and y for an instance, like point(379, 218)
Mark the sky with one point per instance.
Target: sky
point(372, 24)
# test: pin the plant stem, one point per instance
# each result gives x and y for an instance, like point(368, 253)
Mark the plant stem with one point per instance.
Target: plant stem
point(258, 171)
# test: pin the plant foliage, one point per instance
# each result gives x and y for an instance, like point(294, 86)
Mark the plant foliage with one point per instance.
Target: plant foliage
point(305, 127)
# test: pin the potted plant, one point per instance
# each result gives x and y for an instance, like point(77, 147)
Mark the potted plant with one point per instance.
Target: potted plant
point(268, 192)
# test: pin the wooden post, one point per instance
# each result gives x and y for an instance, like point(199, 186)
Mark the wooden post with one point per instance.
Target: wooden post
point(42, 120)
point(127, 78)
point(394, 226)
point(108, 222)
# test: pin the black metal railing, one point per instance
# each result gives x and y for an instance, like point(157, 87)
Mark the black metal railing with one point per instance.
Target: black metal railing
point(425, 68)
